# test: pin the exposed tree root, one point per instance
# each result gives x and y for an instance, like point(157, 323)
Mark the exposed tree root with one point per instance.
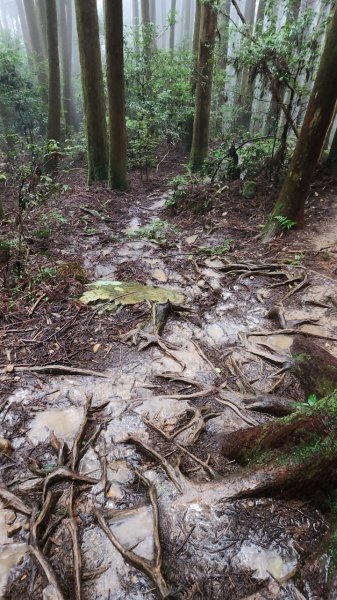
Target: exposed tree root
point(152, 569)
point(314, 367)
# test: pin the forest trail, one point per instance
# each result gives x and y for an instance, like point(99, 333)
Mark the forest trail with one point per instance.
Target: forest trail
point(176, 397)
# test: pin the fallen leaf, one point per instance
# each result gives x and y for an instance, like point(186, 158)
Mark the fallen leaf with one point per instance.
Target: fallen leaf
point(191, 239)
point(159, 275)
point(95, 348)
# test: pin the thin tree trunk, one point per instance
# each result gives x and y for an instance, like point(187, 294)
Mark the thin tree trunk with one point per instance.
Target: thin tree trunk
point(135, 23)
point(35, 39)
point(66, 27)
point(278, 89)
point(224, 43)
point(41, 10)
point(172, 26)
point(247, 86)
point(187, 18)
point(208, 23)
point(145, 4)
point(116, 93)
point(24, 26)
point(190, 119)
point(93, 90)
point(291, 201)
point(54, 87)
point(332, 158)
point(153, 12)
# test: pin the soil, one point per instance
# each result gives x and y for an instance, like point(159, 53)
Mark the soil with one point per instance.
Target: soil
point(224, 349)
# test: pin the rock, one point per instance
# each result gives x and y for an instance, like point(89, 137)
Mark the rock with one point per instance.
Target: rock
point(249, 189)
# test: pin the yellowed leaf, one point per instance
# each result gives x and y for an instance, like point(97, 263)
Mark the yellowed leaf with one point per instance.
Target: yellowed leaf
point(95, 348)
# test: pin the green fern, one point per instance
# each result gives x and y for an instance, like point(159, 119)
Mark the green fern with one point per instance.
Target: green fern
point(284, 222)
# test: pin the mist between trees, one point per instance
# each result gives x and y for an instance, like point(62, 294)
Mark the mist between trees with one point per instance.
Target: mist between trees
point(123, 83)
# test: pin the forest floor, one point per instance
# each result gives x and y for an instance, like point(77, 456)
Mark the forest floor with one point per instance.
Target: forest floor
point(122, 471)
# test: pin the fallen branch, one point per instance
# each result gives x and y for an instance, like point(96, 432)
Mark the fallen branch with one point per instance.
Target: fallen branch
point(53, 370)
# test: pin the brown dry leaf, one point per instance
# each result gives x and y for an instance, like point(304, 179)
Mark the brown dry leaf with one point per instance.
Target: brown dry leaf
point(191, 239)
point(160, 275)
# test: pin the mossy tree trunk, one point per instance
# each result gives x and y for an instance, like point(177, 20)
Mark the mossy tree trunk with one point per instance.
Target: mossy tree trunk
point(297, 453)
point(295, 189)
point(66, 27)
point(116, 94)
point(203, 94)
point(54, 86)
point(301, 448)
point(93, 89)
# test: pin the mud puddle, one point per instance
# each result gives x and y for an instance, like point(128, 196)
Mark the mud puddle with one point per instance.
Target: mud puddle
point(212, 545)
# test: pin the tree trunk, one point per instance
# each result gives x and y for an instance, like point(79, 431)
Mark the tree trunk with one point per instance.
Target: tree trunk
point(190, 119)
point(145, 4)
point(35, 39)
point(116, 94)
point(135, 24)
point(208, 23)
point(315, 368)
point(153, 12)
point(247, 84)
point(66, 28)
point(297, 453)
point(332, 158)
point(278, 88)
point(294, 192)
point(41, 10)
point(93, 90)
point(187, 18)
point(24, 26)
point(173, 25)
point(54, 87)
point(224, 43)
point(301, 448)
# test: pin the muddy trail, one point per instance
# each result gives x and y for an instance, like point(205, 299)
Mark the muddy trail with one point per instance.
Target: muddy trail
point(140, 336)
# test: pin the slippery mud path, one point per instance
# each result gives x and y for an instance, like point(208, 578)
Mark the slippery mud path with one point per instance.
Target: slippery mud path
point(176, 524)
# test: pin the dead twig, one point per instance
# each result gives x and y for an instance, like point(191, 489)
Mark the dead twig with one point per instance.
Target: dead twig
point(53, 370)
point(13, 501)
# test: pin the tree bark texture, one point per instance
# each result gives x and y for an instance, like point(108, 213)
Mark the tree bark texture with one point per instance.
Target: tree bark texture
point(66, 27)
point(116, 94)
point(208, 23)
point(93, 90)
point(54, 86)
point(291, 200)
